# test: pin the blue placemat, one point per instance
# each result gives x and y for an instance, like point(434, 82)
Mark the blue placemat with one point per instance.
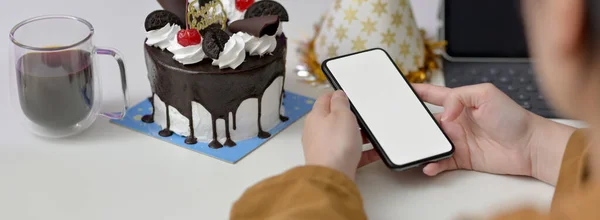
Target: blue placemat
point(295, 106)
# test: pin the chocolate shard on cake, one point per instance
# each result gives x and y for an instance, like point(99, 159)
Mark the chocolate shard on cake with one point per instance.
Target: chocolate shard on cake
point(160, 18)
point(256, 26)
point(214, 42)
point(176, 7)
point(265, 8)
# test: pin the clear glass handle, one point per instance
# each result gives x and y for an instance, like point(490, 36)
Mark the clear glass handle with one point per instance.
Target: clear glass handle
point(117, 55)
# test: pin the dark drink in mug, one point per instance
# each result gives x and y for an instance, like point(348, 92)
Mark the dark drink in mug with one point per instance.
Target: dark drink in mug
point(56, 88)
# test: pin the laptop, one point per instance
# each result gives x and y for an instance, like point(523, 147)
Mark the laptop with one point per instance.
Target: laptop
point(487, 44)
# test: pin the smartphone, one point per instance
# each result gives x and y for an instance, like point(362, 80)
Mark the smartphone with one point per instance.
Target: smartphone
point(398, 124)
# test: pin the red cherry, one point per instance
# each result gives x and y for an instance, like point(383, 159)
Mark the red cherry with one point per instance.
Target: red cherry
point(189, 37)
point(243, 5)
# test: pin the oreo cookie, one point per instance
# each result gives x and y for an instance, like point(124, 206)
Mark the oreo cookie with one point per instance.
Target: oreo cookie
point(266, 8)
point(160, 18)
point(214, 42)
point(215, 26)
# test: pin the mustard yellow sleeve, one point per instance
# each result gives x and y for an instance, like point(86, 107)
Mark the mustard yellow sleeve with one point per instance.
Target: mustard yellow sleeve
point(573, 197)
point(307, 192)
point(582, 204)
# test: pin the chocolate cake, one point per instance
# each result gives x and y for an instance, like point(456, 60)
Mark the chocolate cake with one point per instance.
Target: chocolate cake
point(218, 79)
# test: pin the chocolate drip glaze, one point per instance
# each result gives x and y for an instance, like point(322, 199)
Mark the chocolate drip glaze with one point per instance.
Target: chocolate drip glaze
point(234, 120)
point(220, 92)
point(214, 143)
point(191, 139)
point(261, 133)
point(150, 118)
point(228, 142)
point(282, 117)
point(167, 131)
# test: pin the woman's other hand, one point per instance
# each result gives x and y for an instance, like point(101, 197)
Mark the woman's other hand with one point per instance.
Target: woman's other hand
point(493, 134)
point(331, 136)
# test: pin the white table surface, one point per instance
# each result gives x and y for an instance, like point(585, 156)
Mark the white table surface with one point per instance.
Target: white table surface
point(109, 172)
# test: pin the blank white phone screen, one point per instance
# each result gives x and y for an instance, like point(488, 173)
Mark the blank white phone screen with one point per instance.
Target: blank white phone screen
point(397, 119)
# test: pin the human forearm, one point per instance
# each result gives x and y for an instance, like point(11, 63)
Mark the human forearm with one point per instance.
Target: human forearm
point(547, 147)
point(307, 192)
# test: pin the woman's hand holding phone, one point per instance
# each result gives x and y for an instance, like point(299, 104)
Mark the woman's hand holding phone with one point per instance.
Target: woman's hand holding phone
point(331, 137)
point(491, 134)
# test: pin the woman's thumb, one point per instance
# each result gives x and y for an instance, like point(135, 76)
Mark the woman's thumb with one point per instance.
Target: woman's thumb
point(339, 101)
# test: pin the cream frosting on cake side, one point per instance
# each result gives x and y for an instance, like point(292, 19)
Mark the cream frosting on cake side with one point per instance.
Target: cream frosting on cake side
point(246, 116)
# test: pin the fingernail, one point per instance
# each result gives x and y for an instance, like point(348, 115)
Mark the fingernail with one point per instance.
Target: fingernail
point(444, 118)
point(339, 94)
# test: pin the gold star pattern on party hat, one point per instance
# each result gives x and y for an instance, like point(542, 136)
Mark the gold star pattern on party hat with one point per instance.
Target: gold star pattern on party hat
point(359, 44)
point(340, 33)
point(404, 49)
point(404, 4)
point(332, 50)
point(350, 15)
point(369, 26)
point(330, 22)
point(380, 7)
point(337, 4)
point(410, 32)
point(389, 38)
point(323, 39)
point(359, 2)
point(399, 64)
point(417, 60)
point(357, 25)
point(397, 19)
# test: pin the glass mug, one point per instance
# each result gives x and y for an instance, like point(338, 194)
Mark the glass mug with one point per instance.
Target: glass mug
point(55, 87)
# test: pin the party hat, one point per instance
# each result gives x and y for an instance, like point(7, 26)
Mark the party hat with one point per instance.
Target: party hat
point(355, 25)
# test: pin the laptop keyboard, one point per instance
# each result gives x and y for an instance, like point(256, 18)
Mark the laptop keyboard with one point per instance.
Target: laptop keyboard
point(517, 80)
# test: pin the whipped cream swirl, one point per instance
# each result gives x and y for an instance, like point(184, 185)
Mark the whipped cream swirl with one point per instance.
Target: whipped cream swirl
point(258, 46)
point(186, 55)
point(233, 54)
point(162, 38)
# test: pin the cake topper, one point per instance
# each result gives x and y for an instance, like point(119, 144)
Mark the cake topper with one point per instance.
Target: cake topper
point(203, 2)
point(207, 15)
point(265, 8)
